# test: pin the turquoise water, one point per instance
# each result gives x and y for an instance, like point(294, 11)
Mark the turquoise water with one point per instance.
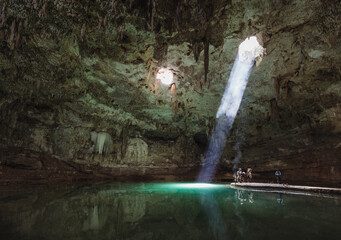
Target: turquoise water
point(165, 211)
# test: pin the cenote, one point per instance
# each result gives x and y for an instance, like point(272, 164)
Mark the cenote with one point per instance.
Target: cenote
point(122, 119)
point(166, 211)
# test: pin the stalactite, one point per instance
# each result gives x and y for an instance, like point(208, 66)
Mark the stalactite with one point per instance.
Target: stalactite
point(164, 49)
point(289, 86)
point(113, 5)
point(2, 35)
point(196, 48)
point(120, 31)
point(175, 106)
point(11, 38)
point(105, 21)
point(17, 41)
point(83, 30)
point(277, 87)
point(198, 13)
point(42, 12)
point(153, 15)
point(148, 9)
point(35, 4)
point(151, 69)
point(177, 17)
point(206, 55)
point(282, 80)
point(274, 112)
point(124, 137)
point(102, 141)
point(100, 22)
point(172, 91)
point(3, 13)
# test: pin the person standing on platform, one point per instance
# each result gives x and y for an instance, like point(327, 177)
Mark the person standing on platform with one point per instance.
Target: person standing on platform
point(239, 175)
point(249, 174)
point(278, 175)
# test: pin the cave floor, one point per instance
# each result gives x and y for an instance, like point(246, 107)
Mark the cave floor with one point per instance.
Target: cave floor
point(287, 187)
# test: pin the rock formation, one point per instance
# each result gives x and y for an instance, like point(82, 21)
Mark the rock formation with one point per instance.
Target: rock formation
point(73, 69)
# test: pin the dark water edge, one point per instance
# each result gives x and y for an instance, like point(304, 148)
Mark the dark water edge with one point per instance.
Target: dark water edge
point(165, 211)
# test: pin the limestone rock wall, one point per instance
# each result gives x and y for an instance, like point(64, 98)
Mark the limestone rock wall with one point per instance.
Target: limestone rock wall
point(69, 68)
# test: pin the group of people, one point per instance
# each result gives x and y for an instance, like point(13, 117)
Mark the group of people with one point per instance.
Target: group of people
point(240, 175)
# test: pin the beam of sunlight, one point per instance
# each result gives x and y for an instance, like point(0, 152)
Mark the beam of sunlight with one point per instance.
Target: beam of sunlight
point(248, 51)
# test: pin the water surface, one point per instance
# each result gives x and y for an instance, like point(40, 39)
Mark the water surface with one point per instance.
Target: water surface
point(165, 211)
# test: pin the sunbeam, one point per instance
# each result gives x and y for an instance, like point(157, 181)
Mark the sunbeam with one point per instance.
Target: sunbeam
point(248, 51)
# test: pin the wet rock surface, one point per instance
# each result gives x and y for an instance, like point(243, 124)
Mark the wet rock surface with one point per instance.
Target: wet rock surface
point(70, 68)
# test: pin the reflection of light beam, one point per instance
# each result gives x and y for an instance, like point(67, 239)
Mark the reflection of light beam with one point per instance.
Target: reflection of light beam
point(214, 216)
point(248, 51)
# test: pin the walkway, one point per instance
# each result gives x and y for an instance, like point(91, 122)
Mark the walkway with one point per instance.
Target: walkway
point(288, 187)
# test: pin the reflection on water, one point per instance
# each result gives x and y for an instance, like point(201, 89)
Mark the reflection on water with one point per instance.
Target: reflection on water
point(165, 211)
point(280, 198)
point(244, 196)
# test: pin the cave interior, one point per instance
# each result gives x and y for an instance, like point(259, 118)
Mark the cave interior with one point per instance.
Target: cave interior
point(81, 98)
